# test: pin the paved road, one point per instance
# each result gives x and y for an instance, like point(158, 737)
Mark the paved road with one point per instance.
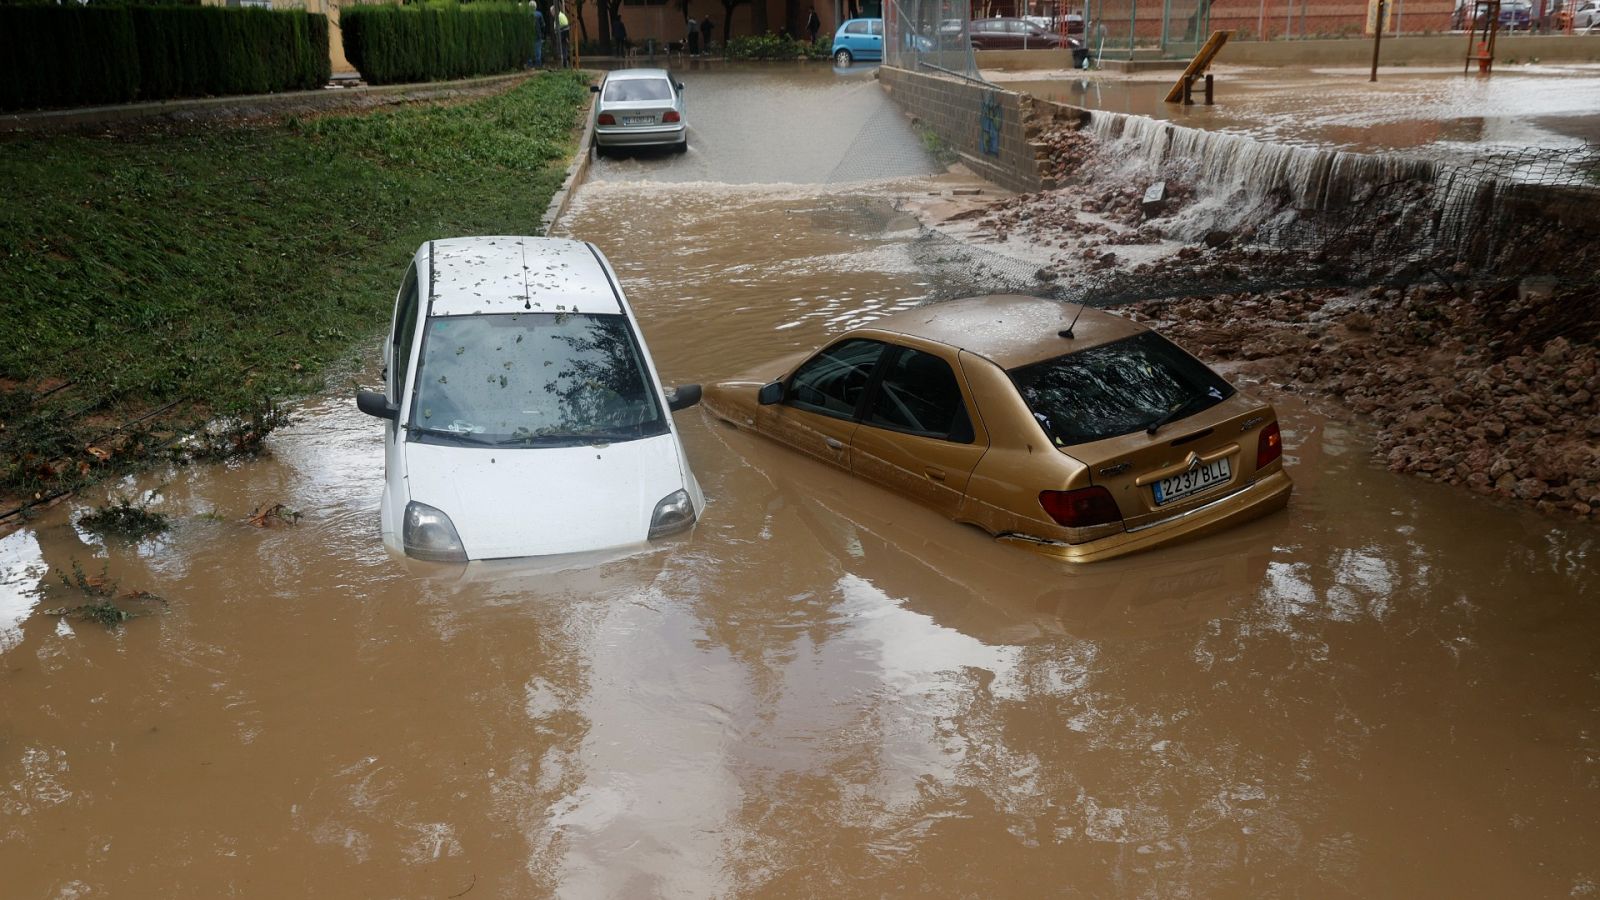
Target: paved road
point(781, 123)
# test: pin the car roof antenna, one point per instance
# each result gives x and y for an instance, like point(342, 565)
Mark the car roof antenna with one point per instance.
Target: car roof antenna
point(1067, 332)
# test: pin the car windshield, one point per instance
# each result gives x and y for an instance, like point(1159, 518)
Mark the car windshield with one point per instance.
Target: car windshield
point(628, 90)
point(1117, 388)
point(532, 379)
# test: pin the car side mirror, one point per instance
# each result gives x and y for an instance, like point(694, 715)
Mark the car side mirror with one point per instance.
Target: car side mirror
point(375, 404)
point(594, 88)
point(683, 396)
point(679, 85)
point(770, 394)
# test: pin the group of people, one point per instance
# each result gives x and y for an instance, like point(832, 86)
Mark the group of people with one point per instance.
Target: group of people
point(562, 34)
point(699, 34)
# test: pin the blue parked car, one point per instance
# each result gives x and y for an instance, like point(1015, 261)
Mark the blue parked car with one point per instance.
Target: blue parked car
point(858, 39)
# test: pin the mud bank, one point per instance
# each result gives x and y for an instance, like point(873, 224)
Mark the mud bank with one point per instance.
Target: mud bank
point(1495, 391)
point(1466, 380)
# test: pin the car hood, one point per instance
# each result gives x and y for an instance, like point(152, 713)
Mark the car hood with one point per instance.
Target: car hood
point(508, 502)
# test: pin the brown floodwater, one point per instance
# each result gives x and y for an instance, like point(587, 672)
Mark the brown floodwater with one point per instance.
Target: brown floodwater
point(1390, 689)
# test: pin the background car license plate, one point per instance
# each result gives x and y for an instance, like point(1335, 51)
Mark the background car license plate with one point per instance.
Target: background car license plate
point(1193, 481)
point(638, 120)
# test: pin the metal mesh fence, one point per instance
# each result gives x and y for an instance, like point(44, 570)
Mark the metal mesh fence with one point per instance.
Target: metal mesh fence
point(930, 34)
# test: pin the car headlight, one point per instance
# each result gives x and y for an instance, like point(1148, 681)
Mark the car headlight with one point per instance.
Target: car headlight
point(674, 513)
point(429, 534)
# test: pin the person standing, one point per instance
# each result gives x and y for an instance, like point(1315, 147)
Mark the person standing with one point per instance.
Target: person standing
point(705, 34)
point(564, 36)
point(619, 33)
point(813, 25)
point(694, 37)
point(538, 34)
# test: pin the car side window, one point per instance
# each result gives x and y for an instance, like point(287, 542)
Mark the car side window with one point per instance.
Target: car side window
point(833, 381)
point(855, 28)
point(918, 393)
point(405, 328)
point(875, 27)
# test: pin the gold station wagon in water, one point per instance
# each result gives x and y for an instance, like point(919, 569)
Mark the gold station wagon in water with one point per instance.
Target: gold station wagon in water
point(1071, 431)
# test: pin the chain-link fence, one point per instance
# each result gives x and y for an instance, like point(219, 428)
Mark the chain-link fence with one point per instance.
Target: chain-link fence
point(930, 34)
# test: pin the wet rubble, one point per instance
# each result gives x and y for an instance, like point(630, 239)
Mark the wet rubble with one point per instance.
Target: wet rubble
point(1497, 393)
point(1494, 390)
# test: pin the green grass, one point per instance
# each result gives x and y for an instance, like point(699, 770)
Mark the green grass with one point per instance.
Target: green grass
point(213, 267)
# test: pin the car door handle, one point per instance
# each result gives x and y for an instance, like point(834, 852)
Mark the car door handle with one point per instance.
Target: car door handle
point(833, 443)
point(935, 474)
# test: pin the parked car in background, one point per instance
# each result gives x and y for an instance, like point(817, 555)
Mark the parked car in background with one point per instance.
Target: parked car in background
point(1070, 431)
point(1074, 22)
point(639, 108)
point(1515, 15)
point(1004, 33)
point(524, 415)
point(1586, 16)
point(858, 39)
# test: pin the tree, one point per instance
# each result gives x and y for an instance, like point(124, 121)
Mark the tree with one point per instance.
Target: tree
point(727, 18)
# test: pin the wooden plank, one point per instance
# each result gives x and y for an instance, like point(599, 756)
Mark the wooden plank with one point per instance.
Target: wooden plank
point(1200, 63)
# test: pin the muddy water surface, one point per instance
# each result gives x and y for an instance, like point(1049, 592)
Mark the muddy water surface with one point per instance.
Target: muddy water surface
point(1435, 112)
point(1390, 689)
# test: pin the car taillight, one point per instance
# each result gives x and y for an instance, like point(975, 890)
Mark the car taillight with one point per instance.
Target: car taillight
point(1081, 508)
point(607, 119)
point(671, 116)
point(1270, 447)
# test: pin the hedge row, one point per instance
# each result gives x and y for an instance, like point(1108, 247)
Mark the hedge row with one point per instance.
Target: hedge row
point(83, 55)
point(390, 44)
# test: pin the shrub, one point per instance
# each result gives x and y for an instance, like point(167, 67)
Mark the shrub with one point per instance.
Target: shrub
point(393, 44)
point(82, 55)
point(773, 46)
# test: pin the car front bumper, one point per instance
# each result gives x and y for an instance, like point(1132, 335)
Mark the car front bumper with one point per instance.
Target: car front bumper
point(1266, 494)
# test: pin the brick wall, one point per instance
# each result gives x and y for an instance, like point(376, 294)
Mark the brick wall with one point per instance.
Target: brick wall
point(995, 131)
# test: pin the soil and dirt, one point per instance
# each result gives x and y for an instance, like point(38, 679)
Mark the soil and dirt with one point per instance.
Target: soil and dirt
point(1469, 380)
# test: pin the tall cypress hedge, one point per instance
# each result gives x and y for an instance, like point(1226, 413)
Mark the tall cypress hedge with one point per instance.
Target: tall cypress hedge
point(391, 44)
point(84, 55)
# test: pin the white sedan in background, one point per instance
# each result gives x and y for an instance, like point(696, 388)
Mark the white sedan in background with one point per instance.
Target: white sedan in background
point(639, 108)
point(524, 414)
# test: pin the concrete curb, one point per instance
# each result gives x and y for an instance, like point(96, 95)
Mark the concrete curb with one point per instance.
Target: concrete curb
point(577, 171)
point(245, 105)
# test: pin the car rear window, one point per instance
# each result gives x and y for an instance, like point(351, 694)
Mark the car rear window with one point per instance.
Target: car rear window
point(630, 90)
point(533, 379)
point(1116, 388)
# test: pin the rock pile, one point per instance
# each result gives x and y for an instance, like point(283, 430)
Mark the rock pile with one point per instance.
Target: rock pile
point(1499, 392)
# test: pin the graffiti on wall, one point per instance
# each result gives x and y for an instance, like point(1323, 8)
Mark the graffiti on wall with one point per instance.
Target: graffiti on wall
point(989, 119)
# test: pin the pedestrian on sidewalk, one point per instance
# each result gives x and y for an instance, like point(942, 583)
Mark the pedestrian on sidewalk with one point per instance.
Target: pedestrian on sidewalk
point(538, 34)
point(813, 24)
point(694, 37)
point(619, 33)
point(564, 36)
point(705, 34)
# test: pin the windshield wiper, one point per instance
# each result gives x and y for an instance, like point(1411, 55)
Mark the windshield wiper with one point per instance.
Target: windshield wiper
point(464, 437)
point(1174, 413)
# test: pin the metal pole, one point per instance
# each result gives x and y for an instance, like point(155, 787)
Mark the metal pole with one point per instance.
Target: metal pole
point(1377, 38)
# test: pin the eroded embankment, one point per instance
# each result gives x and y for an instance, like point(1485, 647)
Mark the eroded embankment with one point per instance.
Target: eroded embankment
point(1448, 307)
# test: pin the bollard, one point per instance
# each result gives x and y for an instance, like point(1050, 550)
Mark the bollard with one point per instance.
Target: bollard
point(1209, 92)
point(1188, 87)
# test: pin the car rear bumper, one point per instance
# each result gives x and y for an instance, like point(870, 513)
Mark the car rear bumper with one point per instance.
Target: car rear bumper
point(1266, 494)
point(639, 136)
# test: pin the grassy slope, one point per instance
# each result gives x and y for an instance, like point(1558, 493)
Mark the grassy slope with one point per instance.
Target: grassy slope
point(220, 266)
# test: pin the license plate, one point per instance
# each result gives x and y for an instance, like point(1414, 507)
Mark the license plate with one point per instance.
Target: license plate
point(1193, 481)
point(638, 120)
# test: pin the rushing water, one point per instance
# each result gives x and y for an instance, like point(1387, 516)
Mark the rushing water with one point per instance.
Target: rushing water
point(1389, 689)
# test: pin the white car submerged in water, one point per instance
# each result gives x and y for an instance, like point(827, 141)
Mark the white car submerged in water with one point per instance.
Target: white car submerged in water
point(525, 417)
